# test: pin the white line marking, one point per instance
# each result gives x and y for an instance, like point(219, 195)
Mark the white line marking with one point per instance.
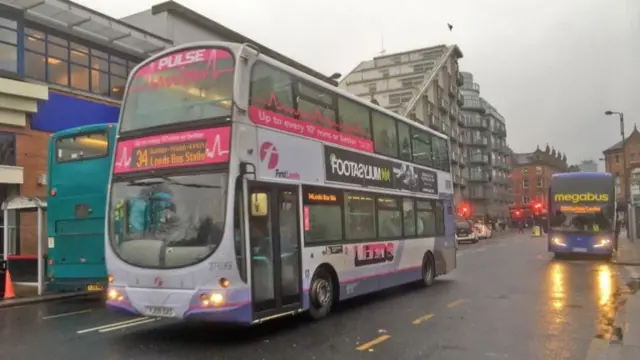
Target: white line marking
point(66, 314)
point(127, 325)
point(481, 249)
point(112, 325)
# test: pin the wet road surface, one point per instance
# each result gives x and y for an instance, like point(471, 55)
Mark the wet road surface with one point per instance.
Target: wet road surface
point(508, 299)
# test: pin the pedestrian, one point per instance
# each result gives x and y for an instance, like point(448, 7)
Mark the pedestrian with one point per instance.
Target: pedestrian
point(521, 226)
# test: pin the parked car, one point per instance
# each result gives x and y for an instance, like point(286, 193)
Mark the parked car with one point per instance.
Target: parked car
point(465, 231)
point(483, 231)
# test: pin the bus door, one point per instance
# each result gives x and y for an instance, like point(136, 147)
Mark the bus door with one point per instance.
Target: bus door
point(274, 244)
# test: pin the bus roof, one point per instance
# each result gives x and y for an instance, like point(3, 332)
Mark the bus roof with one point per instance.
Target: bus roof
point(82, 129)
point(319, 83)
point(569, 175)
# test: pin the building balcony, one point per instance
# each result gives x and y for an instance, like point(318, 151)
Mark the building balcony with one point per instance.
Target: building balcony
point(476, 123)
point(475, 141)
point(455, 157)
point(471, 87)
point(454, 112)
point(474, 105)
point(453, 91)
point(444, 104)
point(479, 159)
point(478, 177)
point(460, 99)
point(459, 79)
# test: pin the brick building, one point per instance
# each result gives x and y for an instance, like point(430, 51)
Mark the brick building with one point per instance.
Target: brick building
point(614, 163)
point(530, 177)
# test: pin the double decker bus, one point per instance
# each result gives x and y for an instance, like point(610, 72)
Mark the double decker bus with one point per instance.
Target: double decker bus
point(582, 213)
point(244, 190)
point(79, 166)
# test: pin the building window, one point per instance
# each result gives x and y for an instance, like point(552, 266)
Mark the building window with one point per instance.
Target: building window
point(539, 182)
point(58, 61)
point(384, 73)
point(525, 171)
point(8, 45)
point(525, 199)
point(617, 159)
point(525, 183)
point(373, 87)
point(539, 170)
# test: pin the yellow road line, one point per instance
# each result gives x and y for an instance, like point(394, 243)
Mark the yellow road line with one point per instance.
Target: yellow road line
point(372, 343)
point(455, 303)
point(422, 319)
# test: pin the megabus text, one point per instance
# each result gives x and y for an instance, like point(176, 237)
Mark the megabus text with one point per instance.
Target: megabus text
point(580, 197)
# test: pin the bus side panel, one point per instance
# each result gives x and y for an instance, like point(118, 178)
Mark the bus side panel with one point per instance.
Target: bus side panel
point(357, 276)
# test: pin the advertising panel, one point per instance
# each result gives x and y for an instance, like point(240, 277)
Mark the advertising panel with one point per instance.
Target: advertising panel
point(283, 156)
point(187, 148)
point(349, 167)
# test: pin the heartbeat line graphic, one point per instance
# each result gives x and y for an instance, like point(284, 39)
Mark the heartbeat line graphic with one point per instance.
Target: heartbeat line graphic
point(125, 158)
point(216, 149)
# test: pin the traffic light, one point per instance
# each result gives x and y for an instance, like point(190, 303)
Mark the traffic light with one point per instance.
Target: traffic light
point(464, 210)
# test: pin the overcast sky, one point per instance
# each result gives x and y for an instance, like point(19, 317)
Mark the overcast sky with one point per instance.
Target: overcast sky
point(551, 67)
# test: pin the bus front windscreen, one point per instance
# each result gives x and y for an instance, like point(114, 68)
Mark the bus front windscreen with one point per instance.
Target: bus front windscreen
point(582, 205)
point(186, 85)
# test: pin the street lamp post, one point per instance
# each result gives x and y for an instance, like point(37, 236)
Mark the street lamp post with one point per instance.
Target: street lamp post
point(625, 173)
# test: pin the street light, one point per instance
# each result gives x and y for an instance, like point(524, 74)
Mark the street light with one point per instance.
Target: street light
point(627, 187)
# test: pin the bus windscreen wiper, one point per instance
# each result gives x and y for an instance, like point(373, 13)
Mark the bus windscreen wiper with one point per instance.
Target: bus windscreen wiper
point(173, 182)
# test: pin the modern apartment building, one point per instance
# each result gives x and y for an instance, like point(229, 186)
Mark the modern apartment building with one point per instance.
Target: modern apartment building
point(486, 142)
point(422, 85)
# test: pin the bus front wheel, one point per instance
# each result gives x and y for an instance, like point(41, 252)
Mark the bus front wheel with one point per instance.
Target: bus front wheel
point(321, 294)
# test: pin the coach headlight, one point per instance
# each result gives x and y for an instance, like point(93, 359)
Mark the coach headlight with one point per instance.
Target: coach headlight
point(213, 299)
point(602, 243)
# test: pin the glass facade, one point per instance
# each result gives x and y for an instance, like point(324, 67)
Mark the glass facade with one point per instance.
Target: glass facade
point(33, 52)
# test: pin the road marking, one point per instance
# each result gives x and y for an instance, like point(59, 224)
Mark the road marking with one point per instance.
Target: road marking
point(597, 349)
point(632, 271)
point(66, 314)
point(422, 319)
point(134, 321)
point(127, 325)
point(455, 303)
point(372, 343)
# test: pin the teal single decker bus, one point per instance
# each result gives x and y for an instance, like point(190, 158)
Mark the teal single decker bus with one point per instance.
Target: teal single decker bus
point(79, 164)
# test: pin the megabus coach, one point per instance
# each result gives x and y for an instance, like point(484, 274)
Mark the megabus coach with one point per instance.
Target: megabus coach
point(582, 213)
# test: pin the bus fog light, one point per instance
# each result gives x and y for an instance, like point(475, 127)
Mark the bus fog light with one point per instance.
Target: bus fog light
point(114, 295)
point(213, 299)
point(224, 283)
point(558, 241)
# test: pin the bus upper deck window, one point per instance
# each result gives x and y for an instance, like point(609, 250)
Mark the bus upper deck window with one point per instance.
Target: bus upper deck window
point(259, 204)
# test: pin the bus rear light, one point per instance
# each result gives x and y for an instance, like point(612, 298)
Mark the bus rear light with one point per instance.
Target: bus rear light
point(224, 283)
point(114, 295)
point(211, 300)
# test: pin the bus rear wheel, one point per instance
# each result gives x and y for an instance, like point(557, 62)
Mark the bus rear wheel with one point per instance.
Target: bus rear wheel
point(321, 294)
point(428, 270)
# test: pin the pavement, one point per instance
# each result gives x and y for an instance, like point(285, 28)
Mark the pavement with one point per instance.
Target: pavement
point(628, 251)
point(507, 299)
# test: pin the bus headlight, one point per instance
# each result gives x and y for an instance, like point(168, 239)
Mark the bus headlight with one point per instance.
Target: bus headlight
point(558, 241)
point(114, 295)
point(604, 242)
point(213, 299)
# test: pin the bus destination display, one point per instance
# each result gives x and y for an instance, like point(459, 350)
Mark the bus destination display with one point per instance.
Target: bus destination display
point(189, 148)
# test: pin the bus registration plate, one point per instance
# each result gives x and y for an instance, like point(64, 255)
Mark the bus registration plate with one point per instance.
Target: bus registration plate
point(160, 311)
point(580, 249)
point(95, 287)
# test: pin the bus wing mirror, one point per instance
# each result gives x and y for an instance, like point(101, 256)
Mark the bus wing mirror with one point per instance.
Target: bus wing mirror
point(245, 59)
